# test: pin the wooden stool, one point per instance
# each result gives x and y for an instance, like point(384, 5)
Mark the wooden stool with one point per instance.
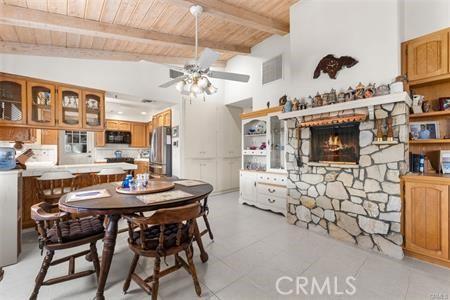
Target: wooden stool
point(57, 231)
point(109, 175)
point(53, 185)
point(167, 232)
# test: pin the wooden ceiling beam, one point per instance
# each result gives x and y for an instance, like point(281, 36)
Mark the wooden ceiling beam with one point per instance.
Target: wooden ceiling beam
point(53, 51)
point(235, 14)
point(30, 18)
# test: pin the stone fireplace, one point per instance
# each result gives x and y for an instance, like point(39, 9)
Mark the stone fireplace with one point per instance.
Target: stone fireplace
point(352, 193)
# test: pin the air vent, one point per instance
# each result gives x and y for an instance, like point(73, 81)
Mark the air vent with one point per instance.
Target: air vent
point(272, 69)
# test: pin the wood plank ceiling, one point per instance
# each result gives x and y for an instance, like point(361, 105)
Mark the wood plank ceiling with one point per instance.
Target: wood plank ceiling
point(155, 30)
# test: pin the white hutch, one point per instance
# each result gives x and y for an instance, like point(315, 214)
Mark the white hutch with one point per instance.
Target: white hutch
point(263, 175)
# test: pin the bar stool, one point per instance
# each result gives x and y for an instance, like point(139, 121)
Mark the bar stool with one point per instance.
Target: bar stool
point(53, 185)
point(109, 175)
point(57, 231)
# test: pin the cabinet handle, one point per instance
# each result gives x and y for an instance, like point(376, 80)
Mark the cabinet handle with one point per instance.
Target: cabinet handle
point(271, 190)
point(270, 200)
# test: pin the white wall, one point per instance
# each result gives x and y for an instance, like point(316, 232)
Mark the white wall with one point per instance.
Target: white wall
point(424, 16)
point(251, 65)
point(367, 30)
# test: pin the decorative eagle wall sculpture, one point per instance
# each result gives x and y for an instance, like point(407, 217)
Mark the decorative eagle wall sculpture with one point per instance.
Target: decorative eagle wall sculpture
point(331, 65)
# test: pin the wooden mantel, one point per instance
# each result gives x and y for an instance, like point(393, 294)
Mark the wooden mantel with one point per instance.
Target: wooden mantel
point(363, 103)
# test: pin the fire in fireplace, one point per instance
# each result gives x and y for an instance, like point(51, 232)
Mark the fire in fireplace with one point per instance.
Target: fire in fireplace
point(335, 143)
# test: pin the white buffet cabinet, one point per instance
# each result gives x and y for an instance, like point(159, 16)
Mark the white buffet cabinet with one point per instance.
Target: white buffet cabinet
point(263, 174)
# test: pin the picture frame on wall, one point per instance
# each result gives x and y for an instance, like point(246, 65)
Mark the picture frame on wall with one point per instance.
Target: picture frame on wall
point(444, 103)
point(424, 130)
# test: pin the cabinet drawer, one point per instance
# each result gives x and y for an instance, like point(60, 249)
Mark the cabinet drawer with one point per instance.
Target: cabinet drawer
point(271, 190)
point(269, 200)
point(271, 178)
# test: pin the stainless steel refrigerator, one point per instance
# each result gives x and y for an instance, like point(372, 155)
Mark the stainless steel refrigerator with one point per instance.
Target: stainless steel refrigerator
point(161, 152)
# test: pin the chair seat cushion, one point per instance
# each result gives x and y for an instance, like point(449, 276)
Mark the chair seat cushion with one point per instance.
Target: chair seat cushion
point(76, 229)
point(152, 233)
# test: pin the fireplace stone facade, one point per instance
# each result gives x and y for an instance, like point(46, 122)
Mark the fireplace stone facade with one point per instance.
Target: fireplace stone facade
point(359, 203)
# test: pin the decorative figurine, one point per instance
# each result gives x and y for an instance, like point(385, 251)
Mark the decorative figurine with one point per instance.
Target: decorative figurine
point(268, 104)
point(263, 146)
point(379, 137)
point(325, 98)
point(390, 131)
point(287, 106)
point(359, 91)
point(295, 104)
point(417, 104)
point(382, 90)
point(282, 100)
point(341, 97)
point(426, 106)
point(331, 65)
point(317, 101)
point(303, 103)
point(370, 90)
point(309, 102)
point(349, 94)
point(332, 97)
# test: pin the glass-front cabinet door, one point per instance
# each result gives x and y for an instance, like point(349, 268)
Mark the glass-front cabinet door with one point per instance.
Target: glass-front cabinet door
point(41, 104)
point(69, 107)
point(12, 100)
point(276, 144)
point(93, 110)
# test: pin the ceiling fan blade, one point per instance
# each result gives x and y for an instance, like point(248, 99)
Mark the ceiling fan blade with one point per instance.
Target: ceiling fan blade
point(229, 76)
point(172, 82)
point(175, 73)
point(207, 58)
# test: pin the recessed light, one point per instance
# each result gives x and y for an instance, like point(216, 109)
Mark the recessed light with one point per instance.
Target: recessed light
point(120, 112)
point(143, 112)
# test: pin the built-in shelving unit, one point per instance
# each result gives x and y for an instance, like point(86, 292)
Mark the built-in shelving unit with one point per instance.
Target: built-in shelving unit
point(431, 114)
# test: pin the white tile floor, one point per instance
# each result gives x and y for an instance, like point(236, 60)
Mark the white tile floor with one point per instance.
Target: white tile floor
point(252, 249)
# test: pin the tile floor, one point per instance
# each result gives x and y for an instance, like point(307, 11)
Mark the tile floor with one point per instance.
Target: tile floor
point(252, 249)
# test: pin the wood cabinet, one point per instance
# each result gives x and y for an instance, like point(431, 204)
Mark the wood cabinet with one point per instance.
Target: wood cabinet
point(69, 108)
point(100, 139)
point(41, 104)
point(20, 134)
point(426, 217)
point(94, 110)
point(138, 135)
point(163, 118)
point(427, 57)
point(49, 137)
point(142, 167)
point(116, 125)
point(12, 100)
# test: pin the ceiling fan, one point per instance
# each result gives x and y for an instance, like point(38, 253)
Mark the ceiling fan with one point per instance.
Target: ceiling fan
point(193, 78)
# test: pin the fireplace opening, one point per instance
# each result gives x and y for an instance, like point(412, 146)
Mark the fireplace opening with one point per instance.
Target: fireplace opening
point(335, 143)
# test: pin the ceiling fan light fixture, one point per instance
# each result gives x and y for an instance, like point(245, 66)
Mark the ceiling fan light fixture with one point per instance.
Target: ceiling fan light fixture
point(180, 86)
point(212, 89)
point(203, 82)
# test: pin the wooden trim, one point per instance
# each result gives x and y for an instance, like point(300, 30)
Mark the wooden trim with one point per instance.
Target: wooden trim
point(430, 141)
point(36, 19)
point(235, 14)
point(426, 258)
point(427, 178)
point(334, 120)
point(261, 112)
point(435, 79)
point(54, 51)
point(432, 114)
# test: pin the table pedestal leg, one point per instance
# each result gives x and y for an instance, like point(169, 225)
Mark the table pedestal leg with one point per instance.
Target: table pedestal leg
point(109, 242)
point(198, 238)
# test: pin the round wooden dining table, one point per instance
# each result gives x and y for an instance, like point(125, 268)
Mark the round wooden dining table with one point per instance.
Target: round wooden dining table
point(119, 204)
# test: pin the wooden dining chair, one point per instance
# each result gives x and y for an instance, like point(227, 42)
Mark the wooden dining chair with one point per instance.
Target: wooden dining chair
point(109, 175)
point(58, 231)
point(167, 232)
point(53, 185)
point(204, 214)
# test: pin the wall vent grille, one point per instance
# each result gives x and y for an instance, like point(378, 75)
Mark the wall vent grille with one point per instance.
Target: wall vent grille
point(272, 69)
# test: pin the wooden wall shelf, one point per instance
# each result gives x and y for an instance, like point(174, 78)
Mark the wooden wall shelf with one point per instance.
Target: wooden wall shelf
point(430, 141)
point(431, 114)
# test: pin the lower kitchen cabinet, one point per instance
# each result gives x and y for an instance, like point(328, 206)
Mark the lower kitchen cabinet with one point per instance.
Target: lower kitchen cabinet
point(228, 173)
point(426, 218)
point(202, 169)
point(49, 137)
point(264, 190)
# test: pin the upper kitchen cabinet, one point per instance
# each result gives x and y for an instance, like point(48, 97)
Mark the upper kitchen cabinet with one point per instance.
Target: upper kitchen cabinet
point(427, 57)
point(69, 107)
point(138, 135)
point(115, 125)
point(12, 100)
point(93, 106)
point(41, 104)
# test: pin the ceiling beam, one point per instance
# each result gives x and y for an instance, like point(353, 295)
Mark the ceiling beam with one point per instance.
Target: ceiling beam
point(235, 14)
point(43, 50)
point(30, 18)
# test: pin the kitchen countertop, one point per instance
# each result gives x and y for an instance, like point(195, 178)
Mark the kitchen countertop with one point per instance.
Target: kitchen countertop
point(78, 169)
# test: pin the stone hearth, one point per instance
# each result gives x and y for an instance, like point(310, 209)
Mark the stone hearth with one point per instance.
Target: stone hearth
point(356, 203)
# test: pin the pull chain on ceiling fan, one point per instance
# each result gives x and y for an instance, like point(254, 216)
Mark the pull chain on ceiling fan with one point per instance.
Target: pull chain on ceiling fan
point(193, 78)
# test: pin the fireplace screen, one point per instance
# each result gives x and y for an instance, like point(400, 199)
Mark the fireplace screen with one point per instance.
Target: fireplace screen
point(335, 143)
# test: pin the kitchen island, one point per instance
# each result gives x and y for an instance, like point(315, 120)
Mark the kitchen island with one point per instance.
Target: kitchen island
point(86, 178)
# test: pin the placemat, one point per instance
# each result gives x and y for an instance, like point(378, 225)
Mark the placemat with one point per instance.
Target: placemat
point(165, 196)
point(87, 195)
point(189, 182)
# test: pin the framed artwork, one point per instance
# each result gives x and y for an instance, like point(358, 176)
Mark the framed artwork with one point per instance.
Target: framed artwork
point(424, 130)
point(444, 103)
